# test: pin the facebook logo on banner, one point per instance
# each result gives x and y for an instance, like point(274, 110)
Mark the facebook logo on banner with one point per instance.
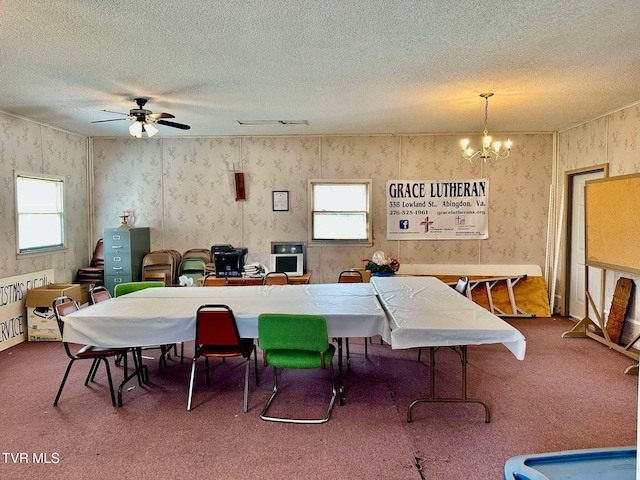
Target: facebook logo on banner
point(404, 224)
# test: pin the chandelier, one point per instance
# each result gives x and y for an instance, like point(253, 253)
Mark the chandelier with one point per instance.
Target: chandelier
point(489, 151)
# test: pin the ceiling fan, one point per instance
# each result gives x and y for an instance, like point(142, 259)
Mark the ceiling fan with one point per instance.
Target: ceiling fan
point(143, 120)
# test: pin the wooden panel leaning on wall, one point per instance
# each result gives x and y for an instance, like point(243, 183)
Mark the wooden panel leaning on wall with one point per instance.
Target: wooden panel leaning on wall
point(530, 294)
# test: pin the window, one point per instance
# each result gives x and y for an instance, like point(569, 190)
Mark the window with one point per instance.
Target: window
point(340, 212)
point(39, 212)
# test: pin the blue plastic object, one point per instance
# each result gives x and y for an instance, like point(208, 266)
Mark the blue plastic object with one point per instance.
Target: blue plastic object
point(618, 463)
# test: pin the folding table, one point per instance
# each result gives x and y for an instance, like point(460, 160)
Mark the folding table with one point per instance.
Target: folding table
point(425, 312)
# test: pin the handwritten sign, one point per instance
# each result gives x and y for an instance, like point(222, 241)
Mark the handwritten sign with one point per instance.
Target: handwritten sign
point(13, 293)
point(437, 209)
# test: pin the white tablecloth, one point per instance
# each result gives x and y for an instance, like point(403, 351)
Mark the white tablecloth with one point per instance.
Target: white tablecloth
point(167, 315)
point(425, 312)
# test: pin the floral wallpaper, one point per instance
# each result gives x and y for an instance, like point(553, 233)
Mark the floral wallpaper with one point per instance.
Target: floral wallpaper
point(612, 139)
point(518, 199)
point(30, 147)
point(184, 190)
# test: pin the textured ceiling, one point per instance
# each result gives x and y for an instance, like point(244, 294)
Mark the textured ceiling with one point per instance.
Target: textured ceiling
point(348, 67)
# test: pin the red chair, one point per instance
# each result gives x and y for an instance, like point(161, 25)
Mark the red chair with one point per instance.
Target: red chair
point(217, 337)
point(64, 306)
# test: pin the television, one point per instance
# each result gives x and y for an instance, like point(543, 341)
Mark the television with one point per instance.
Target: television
point(290, 263)
point(291, 247)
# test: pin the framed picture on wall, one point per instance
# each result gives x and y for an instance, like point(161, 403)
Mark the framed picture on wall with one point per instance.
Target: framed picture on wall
point(280, 200)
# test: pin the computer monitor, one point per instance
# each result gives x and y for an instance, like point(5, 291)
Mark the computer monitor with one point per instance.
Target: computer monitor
point(291, 247)
point(289, 263)
point(229, 262)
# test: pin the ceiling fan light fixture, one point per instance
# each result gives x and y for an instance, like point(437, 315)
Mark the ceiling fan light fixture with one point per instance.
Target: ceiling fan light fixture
point(150, 129)
point(135, 130)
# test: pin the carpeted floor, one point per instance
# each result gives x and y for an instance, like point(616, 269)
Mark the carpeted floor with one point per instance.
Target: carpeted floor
point(566, 394)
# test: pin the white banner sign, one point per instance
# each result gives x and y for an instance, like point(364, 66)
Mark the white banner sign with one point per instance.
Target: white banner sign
point(437, 210)
point(13, 293)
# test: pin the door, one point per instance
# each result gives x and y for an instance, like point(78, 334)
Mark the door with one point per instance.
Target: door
point(576, 281)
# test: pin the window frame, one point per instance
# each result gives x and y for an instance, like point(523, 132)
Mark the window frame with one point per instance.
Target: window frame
point(60, 180)
point(311, 183)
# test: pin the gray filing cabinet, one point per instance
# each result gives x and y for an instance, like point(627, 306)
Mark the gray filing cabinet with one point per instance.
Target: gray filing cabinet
point(124, 250)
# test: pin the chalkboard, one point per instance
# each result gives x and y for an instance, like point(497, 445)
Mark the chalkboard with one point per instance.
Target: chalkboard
point(612, 211)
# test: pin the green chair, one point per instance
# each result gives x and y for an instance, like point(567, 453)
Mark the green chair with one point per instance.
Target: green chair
point(295, 341)
point(129, 287)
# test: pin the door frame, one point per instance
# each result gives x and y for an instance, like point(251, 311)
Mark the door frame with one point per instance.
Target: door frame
point(566, 233)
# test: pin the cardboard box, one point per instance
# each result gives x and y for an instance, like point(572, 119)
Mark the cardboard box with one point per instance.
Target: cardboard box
point(41, 321)
point(45, 295)
point(42, 325)
point(84, 291)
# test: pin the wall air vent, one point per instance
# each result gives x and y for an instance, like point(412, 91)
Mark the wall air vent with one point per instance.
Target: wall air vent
point(262, 123)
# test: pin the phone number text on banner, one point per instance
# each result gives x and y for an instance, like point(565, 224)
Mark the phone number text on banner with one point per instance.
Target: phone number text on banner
point(437, 210)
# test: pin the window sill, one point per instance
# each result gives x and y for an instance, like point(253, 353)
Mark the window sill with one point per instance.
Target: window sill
point(39, 253)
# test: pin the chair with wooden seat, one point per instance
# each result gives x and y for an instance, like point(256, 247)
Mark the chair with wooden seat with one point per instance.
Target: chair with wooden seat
point(98, 293)
point(298, 342)
point(276, 278)
point(210, 280)
point(350, 276)
point(217, 337)
point(63, 306)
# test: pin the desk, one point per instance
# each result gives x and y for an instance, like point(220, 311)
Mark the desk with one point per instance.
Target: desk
point(237, 281)
point(162, 316)
point(425, 312)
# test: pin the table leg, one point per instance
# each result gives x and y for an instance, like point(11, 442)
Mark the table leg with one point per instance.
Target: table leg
point(432, 398)
point(140, 371)
point(340, 381)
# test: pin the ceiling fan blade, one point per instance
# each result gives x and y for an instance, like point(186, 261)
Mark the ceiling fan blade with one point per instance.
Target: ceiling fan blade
point(174, 124)
point(156, 116)
point(111, 120)
point(117, 113)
